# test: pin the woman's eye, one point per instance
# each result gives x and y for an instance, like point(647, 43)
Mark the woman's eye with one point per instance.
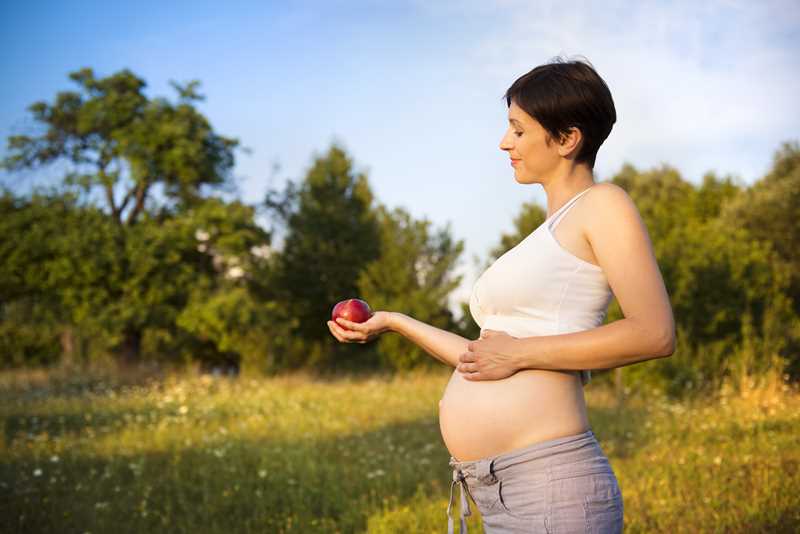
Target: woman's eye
point(518, 133)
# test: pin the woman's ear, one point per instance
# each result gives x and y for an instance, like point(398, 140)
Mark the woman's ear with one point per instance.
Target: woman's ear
point(570, 142)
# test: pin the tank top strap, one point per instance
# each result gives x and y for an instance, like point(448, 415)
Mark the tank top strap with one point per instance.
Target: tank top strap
point(559, 214)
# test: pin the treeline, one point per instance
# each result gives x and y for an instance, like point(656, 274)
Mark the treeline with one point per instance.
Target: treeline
point(136, 254)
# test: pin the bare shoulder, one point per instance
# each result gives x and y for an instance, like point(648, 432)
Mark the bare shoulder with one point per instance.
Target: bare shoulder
point(608, 194)
point(608, 207)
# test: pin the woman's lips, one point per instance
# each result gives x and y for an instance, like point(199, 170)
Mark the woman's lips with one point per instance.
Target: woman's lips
point(514, 161)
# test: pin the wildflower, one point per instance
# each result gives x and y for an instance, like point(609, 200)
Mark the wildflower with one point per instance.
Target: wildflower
point(37, 472)
point(376, 473)
point(262, 473)
point(718, 460)
point(235, 272)
point(183, 410)
point(54, 458)
point(262, 251)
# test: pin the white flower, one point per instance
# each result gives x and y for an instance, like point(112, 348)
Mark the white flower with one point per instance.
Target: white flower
point(262, 251)
point(201, 235)
point(262, 473)
point(54, 458)
point(235, 272)
point(37, 472)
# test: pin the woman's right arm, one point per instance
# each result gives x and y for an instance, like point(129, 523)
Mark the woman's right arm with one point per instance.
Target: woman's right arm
point(441, 344)
point(445, 346)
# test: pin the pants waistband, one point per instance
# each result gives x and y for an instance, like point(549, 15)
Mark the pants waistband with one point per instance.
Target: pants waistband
point(543, 451)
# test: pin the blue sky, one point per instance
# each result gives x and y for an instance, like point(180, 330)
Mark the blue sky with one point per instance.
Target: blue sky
point(412, 89)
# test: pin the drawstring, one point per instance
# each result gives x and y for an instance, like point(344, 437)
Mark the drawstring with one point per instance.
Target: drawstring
point(458, 478)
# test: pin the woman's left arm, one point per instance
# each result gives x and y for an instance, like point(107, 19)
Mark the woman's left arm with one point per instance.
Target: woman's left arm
point(622, 246)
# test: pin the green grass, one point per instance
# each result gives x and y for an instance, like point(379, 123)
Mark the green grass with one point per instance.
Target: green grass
point(357, 454)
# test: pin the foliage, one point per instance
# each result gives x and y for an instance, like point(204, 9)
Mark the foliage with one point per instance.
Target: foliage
point(117, 138)
point(331, 234)
point(59, 270)
point(727, 288)
point(116, 276)
point(413, 276)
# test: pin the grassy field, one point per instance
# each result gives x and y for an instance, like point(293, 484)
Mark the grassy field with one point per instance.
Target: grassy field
point(357, 454)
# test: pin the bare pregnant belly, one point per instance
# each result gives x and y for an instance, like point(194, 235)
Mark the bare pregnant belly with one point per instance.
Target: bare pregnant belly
point(488, 417)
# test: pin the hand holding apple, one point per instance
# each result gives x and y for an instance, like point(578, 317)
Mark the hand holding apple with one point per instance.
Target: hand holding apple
point(350, 332)
point(354, 322)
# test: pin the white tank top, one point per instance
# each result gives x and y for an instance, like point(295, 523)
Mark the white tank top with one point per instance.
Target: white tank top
point(539, 288)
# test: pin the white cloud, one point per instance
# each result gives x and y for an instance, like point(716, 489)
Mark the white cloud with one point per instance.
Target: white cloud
point(687, 78)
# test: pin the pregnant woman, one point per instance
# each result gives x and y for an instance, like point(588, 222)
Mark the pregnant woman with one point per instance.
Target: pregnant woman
point(513, 415)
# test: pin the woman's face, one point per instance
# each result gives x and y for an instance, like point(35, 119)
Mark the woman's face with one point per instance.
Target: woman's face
point(524, 141)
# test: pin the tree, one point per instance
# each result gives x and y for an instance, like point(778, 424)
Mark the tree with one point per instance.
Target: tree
point(723, 283)
point(119, 268)
point(769, 211)
point(331, 234)
point(116, 138)
point(413, 275)
point(41, 237)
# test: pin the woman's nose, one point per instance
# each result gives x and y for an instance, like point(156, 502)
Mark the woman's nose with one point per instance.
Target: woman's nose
point(505, 142)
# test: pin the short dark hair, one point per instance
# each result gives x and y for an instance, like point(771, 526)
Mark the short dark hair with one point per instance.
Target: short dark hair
point(564, 94)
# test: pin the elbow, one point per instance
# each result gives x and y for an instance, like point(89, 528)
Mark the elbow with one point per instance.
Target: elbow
point(667, 346)
point(658, 339)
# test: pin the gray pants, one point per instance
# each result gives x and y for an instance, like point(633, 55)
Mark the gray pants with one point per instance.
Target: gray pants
point(561, 485)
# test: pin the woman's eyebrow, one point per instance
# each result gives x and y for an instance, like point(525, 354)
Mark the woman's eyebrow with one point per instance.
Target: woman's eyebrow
point(515, 121)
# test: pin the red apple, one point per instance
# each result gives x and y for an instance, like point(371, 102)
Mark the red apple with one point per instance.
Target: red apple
point(355, 310)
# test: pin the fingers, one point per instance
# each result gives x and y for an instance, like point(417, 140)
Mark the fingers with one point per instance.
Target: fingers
point(345, 336)
point(468, 367)
point(335, 331)
point(358, 327)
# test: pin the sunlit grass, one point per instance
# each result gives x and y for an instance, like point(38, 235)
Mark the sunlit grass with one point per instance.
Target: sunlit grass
point(187, 453)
